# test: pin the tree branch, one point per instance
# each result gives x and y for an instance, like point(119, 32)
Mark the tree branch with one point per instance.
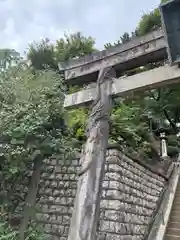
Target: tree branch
point(173, 125)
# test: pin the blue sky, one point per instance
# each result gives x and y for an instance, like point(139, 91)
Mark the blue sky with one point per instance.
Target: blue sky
point(22, 21)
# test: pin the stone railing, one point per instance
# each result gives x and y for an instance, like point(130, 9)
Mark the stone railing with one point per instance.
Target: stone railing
point(158, 226)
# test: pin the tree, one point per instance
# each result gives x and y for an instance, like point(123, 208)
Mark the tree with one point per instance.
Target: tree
point(41, 55)
point(150, 21)
point(125, 38)
point(33, 122)
point(161, 104)
point(32, 128)
point(44, 54)
point(73, 46)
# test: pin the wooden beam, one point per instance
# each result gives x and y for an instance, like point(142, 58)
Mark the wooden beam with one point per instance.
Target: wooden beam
point(135, 53)
point(155, 78)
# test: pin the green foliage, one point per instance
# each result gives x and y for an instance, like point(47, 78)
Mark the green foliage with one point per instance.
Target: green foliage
point(77, 120)
point(150, 21)
point(31, 123)
point(159, 104)
point(126, 37)
point(164, 1)
point(33, 233)
point(6, 233)
point(125, 128)
point(73, 46)
point(127, 125)
point(42, 55)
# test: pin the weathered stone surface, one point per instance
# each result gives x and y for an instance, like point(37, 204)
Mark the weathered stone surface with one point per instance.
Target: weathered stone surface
point(138, 184)
point(57, 193)
point(129, 197)
point(125, 217)
point(128, 201)
point(122, 228)
point(161, 76)
point(136, 174)
point(119, 187)
point(138, 51)
point(85, 216)
point(125, 207)
point(110, 236)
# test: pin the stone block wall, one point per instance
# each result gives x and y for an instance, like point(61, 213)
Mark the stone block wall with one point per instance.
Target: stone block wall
point(129, 197)
point(56, 197)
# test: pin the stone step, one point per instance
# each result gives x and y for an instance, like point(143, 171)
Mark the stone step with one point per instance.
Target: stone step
point(178, 191)
point(175, 213)
point(176, 202)
point(171, 237)
point(174, 225)
point(176, 207)
point(174, 218)
point(173, 231)
point(177, 195)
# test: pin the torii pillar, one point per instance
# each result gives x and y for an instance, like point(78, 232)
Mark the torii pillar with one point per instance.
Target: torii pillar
point(87, 203)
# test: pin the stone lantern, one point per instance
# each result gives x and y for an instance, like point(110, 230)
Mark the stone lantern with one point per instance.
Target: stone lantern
point(163, 139)
point(162, 132)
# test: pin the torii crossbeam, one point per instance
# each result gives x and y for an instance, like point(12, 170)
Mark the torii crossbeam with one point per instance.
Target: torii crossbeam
point(151, 79)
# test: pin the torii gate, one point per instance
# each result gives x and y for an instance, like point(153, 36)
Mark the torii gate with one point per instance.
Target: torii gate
point(106, 66)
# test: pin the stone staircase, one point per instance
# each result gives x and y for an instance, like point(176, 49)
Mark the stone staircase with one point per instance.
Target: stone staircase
point(173, 227)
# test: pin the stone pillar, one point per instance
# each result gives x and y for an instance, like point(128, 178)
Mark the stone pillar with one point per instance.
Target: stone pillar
point(163, 145)
point(166, 161)
point(87, 203)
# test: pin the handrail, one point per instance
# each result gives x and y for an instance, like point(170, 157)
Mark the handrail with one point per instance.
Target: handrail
point(159, 215)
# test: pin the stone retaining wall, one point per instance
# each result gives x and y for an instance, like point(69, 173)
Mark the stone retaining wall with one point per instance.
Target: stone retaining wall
point(129, 198)
point(57, 193)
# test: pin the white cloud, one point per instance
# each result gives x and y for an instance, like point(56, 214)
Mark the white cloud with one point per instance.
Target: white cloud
point(22, 21)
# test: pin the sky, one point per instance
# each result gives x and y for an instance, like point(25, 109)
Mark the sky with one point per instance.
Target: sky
point(22, 21)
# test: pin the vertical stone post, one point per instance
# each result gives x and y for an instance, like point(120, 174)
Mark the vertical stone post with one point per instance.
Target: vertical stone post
point(163, 145)
point(166, 161)
point(87, 203)
point(178, 136)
